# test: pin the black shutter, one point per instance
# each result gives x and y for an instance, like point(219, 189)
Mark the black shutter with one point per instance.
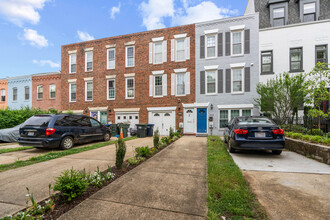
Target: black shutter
point(247, 41)
point(228, 81)
point(220, 81)
point(202, 80)
point(202, 48)
point(227, 43)
point(220, 45)
point(247, 79)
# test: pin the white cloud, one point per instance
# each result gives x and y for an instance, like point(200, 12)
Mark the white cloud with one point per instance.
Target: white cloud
point(21, 11)
point(155, 11)
point(205, 11)
point(84, 36)
point(46, 62)
point(34, 38)
point(114, 10)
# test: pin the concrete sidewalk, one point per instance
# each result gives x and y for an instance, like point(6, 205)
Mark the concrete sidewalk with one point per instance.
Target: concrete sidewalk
point(13, 183)
point(171, 185)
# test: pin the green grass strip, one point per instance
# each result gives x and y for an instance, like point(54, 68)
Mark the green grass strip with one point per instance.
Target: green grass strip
point(57, 154)
point(8, 150)
point(229, 194)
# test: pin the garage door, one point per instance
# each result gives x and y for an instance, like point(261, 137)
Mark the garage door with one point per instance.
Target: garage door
point(162, 121)
point(129, 118)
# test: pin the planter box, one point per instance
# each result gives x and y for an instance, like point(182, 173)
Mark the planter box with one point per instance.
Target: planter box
point(316, 151)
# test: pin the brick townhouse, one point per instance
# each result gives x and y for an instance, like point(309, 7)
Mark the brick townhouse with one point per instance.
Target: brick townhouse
point(3, 93)
point(46, 91)
point(136, 78)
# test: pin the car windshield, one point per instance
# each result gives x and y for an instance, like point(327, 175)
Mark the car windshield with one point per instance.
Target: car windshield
point(246, 121)
point(38, 121)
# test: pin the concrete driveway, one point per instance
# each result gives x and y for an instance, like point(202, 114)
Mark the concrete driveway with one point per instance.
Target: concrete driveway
point(289, 186)
point(38, 176)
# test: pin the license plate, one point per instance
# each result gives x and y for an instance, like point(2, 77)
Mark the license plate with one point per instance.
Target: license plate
point(30, 133)
point(259, 134)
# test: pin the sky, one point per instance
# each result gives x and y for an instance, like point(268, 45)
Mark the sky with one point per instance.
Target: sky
point(32, 31)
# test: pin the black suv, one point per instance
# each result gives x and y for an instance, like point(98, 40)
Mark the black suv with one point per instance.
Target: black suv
point(63, 130)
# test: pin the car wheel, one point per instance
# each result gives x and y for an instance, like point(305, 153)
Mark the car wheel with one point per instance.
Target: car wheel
point(277, 152)
point(231, 150)
point(67, 143)
point(106, 136)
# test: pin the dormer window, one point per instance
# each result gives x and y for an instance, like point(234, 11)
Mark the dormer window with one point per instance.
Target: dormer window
point(309, 12)
point(278, 17)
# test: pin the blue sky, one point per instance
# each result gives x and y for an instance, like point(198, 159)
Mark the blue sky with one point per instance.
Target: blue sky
point(32, 31)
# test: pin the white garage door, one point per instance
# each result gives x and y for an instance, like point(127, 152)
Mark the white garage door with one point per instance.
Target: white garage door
point(162, 121)
point(129, 118)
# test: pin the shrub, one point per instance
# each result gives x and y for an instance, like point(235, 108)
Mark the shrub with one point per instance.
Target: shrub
point(120, 153)
point(71, 183)
point(306, 137)
point(289, 134)
point(135, 160)
point(327, 135)
point(177, 134)
point(326, 141)
point(162, 145)
point(171, 135)
point(142, 151)
point(318, 132)
point(316, 139)
point(299, 129)
point(156, 139)
point(165, 140)
point(96, 178)
point(297, 135)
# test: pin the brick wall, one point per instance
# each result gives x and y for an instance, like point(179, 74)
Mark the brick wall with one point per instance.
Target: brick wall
point(4, 85)
point(45, 80)
point(142, 71)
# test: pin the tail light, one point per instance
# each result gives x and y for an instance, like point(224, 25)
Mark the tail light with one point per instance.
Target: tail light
point(241, 131)
point(278, 131)
point(50, 131)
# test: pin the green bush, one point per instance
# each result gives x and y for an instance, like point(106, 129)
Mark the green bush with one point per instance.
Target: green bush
point(120, 153)
point(297, 135)
point(289, 134)
point(307, 137)
point(318, 132)
point(165, 140)
point(325, 141)
point(71, 183)
point(142, 151)
point(316, 139)
point(171, 135)
point(156, 139)
point(327, 135)
point(135, 160)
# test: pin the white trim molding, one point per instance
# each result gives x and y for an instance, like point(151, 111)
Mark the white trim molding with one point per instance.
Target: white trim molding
point(157, 39)
point(238, 27)
point(196, 105)
point(110, 46)
point(129, 74)
point(127, 110)
point(88, 79)
point(129, 43)
point(182, 70)
point(72, 80)
point(213, 31)
point(241, 106)
point(110, 77)
point(237, 65)
point(72, 51)
point(180, 36)
point(97, 108)
point(158, 72)
point(152, 109)
point(213, 67)
point(89, 49)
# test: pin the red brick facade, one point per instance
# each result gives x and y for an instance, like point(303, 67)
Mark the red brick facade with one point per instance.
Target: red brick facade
point(4, 86)
point(45, 80)
point(142, 70)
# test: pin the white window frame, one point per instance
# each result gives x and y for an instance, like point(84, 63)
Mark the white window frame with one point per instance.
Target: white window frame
point(108, 62)
point(126, 79)
point(28, 93)
point(15, 100)
point(3, 93)
point(154, 52)
point(50, 97)
point(126, 54)
point(70, 84)
point(232, 80)
point(176, 83)
point(184, 50)
point(229, 113)
point(40, 86)
point(216, 45)
point(154, 85)
point(70, 71)
point(114, 85)
point(216, 82)
point(232, 40)
point(86, 82)
point(86, 52)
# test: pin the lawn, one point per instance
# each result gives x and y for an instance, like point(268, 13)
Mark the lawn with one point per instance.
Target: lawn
point(8, 150)
point(229, 195)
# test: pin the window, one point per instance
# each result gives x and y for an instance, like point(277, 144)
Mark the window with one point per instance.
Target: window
point(94, 123)
point(226, 115)
point(234, 113)
point(89, 61)
point(246, 112)
point(3, 95)
point(111, 58)
point(89, 91)
point(129, 88)
point(210, 46)
point(180, 84)
point(278, 17)
point(210, 82)
point(73, 92)
point(237, 80)
point(52, 91)
point(237, 43)
point(27, 92)
point(296, 59)
point(223, 118)
point(40, 91)
point(309, 12)
point(180, 50)
point(158, 51)
point(130, 56)
point(267, 62)
point(321, 53)
point(15, 94)
point(111, 89)
point(158, 86)
point(73, 63)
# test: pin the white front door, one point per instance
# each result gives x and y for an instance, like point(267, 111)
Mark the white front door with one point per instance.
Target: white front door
point(162, 121)
point(188, 121)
